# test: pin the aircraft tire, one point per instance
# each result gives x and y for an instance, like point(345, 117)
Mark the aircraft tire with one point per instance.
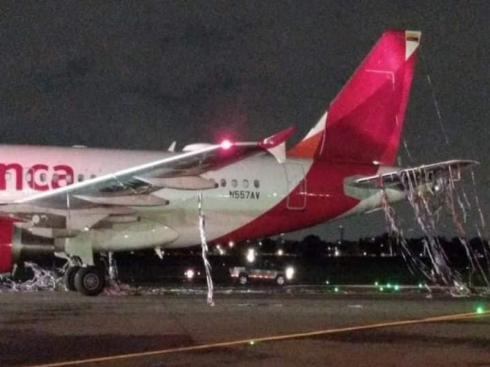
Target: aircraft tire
point(280, 280)
point(90, 281)
point(69, 278)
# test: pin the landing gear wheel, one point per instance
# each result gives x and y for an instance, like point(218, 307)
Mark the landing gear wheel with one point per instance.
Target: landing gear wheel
point(69, 278)
point(243, 279)
point(280, 280)
point(90, 281)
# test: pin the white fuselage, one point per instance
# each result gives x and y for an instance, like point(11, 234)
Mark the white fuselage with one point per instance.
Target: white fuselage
point(247, 190)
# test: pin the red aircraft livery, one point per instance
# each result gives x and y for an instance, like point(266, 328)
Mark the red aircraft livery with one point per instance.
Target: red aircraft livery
point(92, 201)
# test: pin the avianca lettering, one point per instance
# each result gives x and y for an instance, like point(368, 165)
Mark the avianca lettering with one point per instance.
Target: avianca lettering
point(39, 177)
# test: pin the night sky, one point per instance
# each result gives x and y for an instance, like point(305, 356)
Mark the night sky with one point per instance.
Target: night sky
point(140, 74)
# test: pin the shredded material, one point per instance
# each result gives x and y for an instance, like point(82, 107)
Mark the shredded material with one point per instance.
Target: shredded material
point(429, 197)
point(204, 247)
point(43, 280)
point(438, 110)
point(112, 269)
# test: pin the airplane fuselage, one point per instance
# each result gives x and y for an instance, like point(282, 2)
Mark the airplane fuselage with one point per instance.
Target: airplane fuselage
point(254, 198)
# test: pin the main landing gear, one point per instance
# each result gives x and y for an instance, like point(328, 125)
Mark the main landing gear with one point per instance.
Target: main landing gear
point(88, 280)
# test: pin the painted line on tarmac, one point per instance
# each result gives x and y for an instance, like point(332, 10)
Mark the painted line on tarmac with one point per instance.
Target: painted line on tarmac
point(455, 317)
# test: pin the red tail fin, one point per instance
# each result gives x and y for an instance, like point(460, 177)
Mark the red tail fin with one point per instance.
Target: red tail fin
point(365, 120)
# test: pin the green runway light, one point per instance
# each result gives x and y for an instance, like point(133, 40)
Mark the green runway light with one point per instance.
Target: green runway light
point(388, 285)
point(376, 284)
point(396, 287)
point(421, 285)
point(480, 310)
point(381, 289)
point(327, 282)
point(336, 289)
point(252, 342)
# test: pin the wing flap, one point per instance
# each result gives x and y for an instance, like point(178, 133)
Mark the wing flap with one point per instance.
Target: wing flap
point(130, 200)
point(181, 183)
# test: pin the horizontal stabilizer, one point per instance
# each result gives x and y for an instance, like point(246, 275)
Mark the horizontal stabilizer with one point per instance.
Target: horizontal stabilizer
point(424, 173)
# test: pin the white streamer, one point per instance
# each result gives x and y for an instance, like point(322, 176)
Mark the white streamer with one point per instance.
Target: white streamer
point(204, 247)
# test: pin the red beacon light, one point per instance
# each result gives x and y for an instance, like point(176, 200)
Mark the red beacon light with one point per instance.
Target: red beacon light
point(226, 144)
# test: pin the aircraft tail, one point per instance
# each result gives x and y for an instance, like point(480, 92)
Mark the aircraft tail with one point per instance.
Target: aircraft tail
point(365, 120)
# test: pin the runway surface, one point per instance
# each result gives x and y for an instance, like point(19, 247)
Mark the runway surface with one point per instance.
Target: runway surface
point(245, 329)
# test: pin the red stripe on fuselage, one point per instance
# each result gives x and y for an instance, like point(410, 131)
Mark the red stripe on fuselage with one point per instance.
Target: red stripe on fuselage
point(325, 200)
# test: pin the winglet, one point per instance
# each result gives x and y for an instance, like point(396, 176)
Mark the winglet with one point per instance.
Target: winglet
point(276, 144)
point(276, 139)
point(171, 148)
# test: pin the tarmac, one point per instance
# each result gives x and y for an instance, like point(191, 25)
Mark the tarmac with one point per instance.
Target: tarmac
point(248, 328)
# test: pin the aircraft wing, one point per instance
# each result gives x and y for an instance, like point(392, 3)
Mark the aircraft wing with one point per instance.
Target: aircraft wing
point(129, 186)
point(420, 174)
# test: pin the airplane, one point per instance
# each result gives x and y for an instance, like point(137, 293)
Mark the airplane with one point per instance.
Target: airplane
point(85, 201)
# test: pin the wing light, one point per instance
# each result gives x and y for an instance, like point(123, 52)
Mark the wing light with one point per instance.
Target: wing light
point(226, 144)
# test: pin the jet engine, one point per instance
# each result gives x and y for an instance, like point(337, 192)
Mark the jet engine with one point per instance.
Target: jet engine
point(6, 240)
point(17, 245)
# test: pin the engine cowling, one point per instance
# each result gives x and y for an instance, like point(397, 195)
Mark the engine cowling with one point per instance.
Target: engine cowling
point(6, 244)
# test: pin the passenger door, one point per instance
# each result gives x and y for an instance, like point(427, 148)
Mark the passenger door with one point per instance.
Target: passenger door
point(296, 183)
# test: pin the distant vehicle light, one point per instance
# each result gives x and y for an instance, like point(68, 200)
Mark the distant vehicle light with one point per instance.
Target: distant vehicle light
point(189, 274)
point(251, 255)
point(290, 273)
point(226, 144)
point(280, 252)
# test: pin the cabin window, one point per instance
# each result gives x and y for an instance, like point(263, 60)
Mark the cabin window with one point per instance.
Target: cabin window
point(43, 177)
point(93, 176)
point(80, 178)
point(7, 176)
point(245, 184)
point(28, 176)
point(256, 184)
point(234, 183)
point(222, 182)
point(69, 179)
point(56, 177)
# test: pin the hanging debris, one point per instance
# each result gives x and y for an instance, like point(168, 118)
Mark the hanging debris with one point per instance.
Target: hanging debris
point(414, 263)
point(429, 194)
point(419, 200)
point(204, 249)
point(114, 286)
point(481, 228)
